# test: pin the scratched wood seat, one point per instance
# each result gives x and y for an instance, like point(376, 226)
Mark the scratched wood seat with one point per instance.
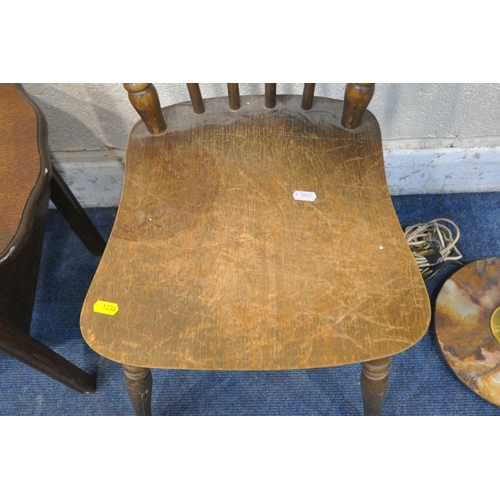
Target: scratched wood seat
point(27, 180)
point(215, 262)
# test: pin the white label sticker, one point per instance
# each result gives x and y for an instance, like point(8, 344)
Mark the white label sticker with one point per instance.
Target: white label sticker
point(304, 195)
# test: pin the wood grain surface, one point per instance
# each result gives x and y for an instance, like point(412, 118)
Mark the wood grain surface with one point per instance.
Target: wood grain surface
point(24, 170)
point(214, 264)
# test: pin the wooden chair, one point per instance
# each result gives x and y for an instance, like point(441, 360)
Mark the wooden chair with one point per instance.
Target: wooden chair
point(27, 180)
point(255, 234)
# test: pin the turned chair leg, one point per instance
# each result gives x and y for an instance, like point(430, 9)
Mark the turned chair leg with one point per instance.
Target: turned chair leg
point(374, 383)
point(139, 384)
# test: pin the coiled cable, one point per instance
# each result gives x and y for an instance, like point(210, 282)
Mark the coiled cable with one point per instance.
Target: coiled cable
point(433, 244)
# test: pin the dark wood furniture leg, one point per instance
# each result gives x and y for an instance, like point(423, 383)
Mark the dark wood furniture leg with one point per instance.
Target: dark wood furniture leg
point(374, 383)
point(70, 208)
point(19, 273)
point(30, 351)
point(139, 384)
point(18, 278)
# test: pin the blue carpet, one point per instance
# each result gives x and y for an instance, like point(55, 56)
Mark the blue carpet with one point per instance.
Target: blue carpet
point(421, 382)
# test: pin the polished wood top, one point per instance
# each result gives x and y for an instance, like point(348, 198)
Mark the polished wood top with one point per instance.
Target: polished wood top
point(24, 169)
point(215, 265)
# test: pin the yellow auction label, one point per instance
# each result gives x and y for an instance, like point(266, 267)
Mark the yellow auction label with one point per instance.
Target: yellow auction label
point(103, 307)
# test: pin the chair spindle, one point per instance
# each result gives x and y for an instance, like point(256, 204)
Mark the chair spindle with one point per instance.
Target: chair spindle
point(308, 96)
point(196, 99)
point(356, 100)
point(270, 100)
point(144, 98)
point(234, 96)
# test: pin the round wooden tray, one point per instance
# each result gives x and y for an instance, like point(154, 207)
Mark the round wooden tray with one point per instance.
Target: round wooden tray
point(466, 328)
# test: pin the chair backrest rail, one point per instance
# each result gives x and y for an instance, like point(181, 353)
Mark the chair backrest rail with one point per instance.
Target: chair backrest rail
point(144, 98)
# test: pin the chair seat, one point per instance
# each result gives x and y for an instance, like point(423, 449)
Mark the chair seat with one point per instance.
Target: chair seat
point(215, 265)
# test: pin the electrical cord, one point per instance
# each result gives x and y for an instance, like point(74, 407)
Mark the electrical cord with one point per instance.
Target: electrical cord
point(433, 244)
